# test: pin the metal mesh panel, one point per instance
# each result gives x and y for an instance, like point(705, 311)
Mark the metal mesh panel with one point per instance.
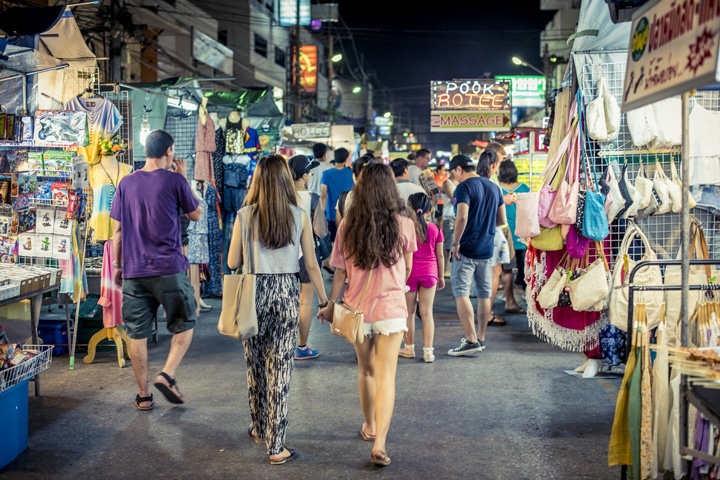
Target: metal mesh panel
point(663, 230)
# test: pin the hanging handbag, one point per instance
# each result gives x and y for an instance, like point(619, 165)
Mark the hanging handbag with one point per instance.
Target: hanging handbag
point(676, 180)
point(674, 190)
point(595, 115)
point(550, 292)
point(661, 188)
point(644, 186)
point(576, 244)
point(614, 196)
point(630, 193)
point(564, 207)
point(649, 275)
point(589, 290)
point(549, 239)
point(348, 322)
point(552, 174)
point(594, 224)
point(238, 317)
point(612, 112)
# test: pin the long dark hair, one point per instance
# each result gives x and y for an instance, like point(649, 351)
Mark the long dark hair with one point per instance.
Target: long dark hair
point(371, 229)
point(272, 192)
point(487, 159)
point(420, 205)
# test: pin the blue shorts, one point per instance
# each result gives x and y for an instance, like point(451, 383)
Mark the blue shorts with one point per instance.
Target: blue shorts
point(466, 271)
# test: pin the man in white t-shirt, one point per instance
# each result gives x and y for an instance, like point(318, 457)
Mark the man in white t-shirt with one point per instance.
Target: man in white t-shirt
point(405, 187)
point(320, 152)
point(422, 159)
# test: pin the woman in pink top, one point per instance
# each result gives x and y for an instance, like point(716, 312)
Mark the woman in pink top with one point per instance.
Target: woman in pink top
point(375, 238)
point(425, 278)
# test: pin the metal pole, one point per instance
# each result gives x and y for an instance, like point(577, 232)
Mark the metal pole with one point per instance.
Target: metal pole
point(296, 63)
point(685, 214)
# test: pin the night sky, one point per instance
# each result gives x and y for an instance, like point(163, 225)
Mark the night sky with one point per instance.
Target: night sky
point(409, 47)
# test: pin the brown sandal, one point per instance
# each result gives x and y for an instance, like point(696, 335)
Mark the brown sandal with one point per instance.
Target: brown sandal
point(382, 460)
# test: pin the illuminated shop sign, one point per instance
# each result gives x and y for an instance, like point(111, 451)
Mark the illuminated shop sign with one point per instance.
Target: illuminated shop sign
point(289, 13)
point(478, 95)
point(308, 69)
point(469, 121)
point(527, 91)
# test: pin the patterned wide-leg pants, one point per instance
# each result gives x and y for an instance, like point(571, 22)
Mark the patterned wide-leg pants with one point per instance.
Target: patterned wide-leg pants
point(270, 354)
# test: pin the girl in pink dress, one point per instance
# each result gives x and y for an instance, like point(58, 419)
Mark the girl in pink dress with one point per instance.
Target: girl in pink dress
point(426, 276)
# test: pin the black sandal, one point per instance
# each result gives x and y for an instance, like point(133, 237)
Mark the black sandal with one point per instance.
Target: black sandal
point(139, 400)
point(166, 390)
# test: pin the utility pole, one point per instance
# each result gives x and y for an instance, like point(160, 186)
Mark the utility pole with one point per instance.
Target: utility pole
point(331, 75)
point(296, 65)
point(116, 43)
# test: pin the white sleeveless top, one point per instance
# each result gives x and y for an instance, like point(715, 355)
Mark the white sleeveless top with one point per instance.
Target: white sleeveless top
point(280, 260)
point(448, 211)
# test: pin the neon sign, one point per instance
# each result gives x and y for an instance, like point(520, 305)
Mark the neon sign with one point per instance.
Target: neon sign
point(476, 95)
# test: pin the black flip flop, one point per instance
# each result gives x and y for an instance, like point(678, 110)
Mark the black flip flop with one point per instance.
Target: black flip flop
point(284, 459)
point(493, 323)
point(166, 390)
point(139, 400)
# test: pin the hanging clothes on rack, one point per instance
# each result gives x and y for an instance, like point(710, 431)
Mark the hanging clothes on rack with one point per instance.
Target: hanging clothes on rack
point(204, 148)
point(235, 181)
point(104, 181)
point(234, 137)
point(104, 120)
point(217, 159)
point(110, 295)
point(198, 249)
point(215, 244)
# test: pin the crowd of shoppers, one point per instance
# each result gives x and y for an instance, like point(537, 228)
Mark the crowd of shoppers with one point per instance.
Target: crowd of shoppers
point(389, 238)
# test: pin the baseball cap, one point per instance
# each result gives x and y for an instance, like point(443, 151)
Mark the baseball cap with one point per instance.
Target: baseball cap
point(460, 161)
point(300, 165)
point(341, 154)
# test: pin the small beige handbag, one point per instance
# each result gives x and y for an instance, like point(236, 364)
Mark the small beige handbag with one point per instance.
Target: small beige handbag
point(589, 291)
point(238, 317)
point(348, 322)
point(550, 292)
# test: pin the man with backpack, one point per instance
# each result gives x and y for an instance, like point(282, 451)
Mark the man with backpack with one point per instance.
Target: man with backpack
point(302, 171)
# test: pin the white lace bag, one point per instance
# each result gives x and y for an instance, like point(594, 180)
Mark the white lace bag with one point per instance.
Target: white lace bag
point(644, 186)
point(618, 202)
point(676, 180)
point(642, 125)
point(612, 112)
point(595, 116)
point(661, 188)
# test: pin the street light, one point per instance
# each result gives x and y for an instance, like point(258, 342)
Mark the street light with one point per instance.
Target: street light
point(336, 58)
point(357, 89)
point(387, 115)
point(519, 61)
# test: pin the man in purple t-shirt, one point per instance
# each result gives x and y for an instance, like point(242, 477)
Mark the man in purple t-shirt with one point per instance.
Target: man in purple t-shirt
point(149, 263)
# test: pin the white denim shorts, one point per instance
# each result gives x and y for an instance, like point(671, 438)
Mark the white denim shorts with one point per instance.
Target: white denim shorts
point(386, 327)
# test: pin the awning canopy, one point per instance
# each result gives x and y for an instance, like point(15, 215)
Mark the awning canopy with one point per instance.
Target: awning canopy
point(20, 61)
point(254, 102)
point(28, 19)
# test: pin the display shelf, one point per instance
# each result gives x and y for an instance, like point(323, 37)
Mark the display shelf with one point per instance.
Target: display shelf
point(28, 369)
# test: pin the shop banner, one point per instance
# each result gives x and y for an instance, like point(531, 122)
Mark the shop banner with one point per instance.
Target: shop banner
point(469, 121)
point(311, 130)
point(308, 69)
point(479, 95)
point(289, 12)
point(673, 49)
point(527, 91)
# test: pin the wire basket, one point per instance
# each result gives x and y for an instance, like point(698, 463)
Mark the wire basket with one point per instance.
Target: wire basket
point(26, 370)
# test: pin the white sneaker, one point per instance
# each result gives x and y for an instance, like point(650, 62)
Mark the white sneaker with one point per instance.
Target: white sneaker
point(428, 355)
point(408, 351)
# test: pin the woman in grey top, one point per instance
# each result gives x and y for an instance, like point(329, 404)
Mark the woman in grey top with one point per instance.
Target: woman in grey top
point(278, 229)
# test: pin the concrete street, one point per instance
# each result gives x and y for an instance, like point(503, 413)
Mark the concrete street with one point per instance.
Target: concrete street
point(509, 413)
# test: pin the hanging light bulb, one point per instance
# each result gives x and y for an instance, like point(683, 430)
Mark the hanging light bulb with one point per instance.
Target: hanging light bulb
point(144, 126)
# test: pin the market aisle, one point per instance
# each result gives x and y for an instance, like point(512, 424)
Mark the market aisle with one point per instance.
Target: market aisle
point(510, 414)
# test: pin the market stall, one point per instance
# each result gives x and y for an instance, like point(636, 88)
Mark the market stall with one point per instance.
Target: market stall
point(614, 228)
